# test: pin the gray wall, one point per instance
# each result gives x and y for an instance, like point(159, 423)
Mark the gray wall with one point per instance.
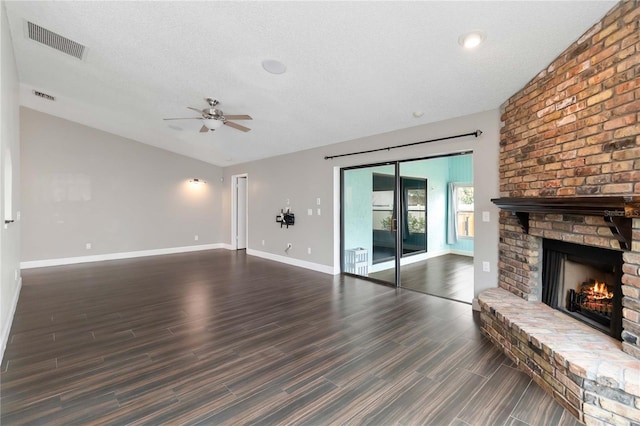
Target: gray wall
point(9, 154)
point(304, 176)
point(81, 185)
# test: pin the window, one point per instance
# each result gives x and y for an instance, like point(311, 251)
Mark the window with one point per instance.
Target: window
point(464, 211)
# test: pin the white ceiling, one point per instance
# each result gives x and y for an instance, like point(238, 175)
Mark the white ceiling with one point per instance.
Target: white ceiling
point(353, 68)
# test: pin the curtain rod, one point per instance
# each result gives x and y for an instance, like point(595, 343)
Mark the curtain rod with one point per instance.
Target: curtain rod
point(389, 148)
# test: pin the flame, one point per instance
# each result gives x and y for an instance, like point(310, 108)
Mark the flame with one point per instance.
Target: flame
point(600, 291)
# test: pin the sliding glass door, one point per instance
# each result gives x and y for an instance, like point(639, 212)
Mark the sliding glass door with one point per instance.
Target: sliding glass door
point(410, 224)
point(369, 222)
point(384, 218)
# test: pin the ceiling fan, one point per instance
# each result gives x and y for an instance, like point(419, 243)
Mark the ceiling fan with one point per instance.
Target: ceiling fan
point(213, 118)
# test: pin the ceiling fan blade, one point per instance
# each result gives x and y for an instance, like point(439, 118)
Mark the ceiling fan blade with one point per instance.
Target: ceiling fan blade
point(237, 126)
point(204, 129)
point(185, 118)
point(195, 109)
point(238, 117)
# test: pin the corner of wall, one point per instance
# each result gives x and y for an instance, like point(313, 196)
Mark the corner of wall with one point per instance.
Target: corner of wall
point(10, 281)
point(6, 325)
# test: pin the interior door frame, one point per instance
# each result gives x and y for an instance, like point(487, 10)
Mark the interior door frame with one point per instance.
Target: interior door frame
point(234, 210)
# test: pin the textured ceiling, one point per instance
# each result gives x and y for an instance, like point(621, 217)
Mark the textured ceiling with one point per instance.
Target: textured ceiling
point(353, 68)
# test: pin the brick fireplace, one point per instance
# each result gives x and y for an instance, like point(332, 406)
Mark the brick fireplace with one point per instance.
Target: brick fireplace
point(570, 171)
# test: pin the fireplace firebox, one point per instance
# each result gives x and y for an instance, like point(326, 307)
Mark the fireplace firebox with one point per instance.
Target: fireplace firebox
point(585, 283)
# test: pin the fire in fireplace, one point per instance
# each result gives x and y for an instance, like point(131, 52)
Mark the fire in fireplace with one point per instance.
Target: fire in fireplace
point(585, 283)
point(594, 299)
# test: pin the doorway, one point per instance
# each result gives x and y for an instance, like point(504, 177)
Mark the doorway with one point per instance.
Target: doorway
point(410, 224)
point(239, 211)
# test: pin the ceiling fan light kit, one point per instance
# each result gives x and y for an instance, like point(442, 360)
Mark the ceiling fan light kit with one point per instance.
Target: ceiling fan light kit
point(212, 123)
point(213, 118)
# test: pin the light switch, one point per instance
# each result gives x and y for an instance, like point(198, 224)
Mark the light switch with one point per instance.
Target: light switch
point(318, 212)
point(310, 212)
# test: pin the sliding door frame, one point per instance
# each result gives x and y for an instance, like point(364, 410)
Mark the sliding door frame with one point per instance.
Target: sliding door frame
point(397, 220)
point(396, 195)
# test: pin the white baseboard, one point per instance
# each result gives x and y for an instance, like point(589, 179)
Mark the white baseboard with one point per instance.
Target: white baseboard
point(7, 325)
point(294, 262)
point(461, 252)
point(114, 256)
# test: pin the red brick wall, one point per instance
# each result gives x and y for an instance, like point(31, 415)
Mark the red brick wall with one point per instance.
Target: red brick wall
point(574, 130)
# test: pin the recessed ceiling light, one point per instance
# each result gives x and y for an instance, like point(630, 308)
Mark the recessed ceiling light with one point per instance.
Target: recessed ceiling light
point(472, 39)
point(418, 114)
point(274, 67)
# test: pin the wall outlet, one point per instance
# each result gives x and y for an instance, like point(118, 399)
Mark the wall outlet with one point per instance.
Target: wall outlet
point(87, 246)
point(15, 275)
point(308, 250)
point(310, 212)
point(289, 245)
point(318, 212)
point(318, 201)
point(262, 242)
point(486, 267)
point(485, 217)
point(18, 215)
point(195, 237)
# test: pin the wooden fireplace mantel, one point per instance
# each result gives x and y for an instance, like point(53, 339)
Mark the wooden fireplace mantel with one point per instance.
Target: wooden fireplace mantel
point(617, 211)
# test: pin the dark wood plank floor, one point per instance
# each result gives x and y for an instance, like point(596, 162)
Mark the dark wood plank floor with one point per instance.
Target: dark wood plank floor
point(218, 337)
point(449, 276)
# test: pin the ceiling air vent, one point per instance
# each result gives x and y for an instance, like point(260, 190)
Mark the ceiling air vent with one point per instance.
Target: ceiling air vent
point(58, 42)
point(44, 95)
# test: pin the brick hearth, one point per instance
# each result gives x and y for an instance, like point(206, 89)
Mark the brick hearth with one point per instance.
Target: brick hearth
point(586, 372)
point(573, 131)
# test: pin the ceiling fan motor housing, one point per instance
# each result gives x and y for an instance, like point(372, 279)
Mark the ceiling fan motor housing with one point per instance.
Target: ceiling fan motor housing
point(213, 113)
